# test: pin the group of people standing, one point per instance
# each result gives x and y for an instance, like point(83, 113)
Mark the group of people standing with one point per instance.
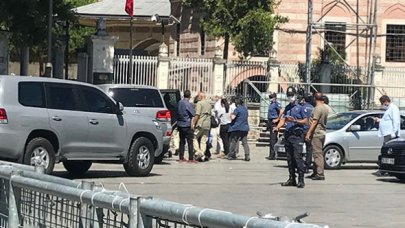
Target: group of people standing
point(303, 123)
point(195, 121)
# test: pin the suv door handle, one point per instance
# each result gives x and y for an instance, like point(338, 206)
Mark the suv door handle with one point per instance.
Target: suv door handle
point(56, 118)
point(93, 121)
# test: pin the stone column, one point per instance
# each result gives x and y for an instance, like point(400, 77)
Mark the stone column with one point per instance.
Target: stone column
point(4, 52)
point(219, 73)
point(101, 56)
point(163, 67)
point(273, 70)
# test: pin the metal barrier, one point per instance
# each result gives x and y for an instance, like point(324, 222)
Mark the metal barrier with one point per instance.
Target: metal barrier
point(29, 198)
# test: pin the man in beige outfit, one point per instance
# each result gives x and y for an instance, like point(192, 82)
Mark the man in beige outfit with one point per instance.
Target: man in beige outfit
point(201, 125)
point(317, 132)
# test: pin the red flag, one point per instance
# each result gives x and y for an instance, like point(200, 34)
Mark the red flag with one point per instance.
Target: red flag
point(129, 7)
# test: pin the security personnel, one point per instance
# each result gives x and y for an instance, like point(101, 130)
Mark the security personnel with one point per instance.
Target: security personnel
point(305, 101)
point(294, 118)
point(272, 121)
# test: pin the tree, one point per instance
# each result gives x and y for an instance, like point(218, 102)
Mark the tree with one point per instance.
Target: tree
point(247, 24)
point(27, 22)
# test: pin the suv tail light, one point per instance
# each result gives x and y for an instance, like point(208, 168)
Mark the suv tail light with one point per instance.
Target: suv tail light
point(163, 115)
point(3, 116)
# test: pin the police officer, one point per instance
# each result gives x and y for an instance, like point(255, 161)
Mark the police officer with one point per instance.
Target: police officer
point(294, 118)
point(305, 101)
point(272, 121)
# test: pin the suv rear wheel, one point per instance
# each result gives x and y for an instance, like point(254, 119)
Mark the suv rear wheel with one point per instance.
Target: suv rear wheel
point(40, 152)
point(140, 158)
point(77, 168)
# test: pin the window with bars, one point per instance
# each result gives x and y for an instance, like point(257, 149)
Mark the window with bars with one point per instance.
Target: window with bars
point(335, 33)
point(395, 46)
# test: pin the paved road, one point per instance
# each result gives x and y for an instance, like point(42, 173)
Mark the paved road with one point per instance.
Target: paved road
point(350, 197)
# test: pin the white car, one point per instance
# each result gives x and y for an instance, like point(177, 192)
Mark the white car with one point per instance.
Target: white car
point(351, 137)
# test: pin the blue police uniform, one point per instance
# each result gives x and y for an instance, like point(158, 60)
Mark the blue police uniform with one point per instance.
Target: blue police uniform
point(294, 136)
point(273, 112)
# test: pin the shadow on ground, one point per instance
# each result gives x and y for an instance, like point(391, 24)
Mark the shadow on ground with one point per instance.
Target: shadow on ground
point(96, 174)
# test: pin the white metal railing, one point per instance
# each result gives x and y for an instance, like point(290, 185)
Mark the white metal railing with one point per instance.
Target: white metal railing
point(30, 198)
point(144, 70)
point(194, 74)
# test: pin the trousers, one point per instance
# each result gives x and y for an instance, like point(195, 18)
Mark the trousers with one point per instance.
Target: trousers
point(294, 148)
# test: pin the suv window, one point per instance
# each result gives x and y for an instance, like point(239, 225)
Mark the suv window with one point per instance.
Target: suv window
point(137, 97)
point(31, 94)
point(61, 96)
point(97, 101)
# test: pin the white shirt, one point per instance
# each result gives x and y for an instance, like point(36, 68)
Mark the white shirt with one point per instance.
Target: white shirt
point(225, 118)
point(217, 105)
point(390, 123)
point(232, 108)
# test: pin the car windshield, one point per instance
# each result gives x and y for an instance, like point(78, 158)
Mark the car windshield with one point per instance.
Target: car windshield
point(339, 120)
point(137, 97)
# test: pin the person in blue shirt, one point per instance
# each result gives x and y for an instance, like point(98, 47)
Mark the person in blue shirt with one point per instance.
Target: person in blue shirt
point(239, 130)
point(272, 121)
point(294, 119)
point(305, 101)
point(184, 116)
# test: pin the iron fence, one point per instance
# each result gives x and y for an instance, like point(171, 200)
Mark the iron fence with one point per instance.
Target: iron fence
point(29, 198)
point(144, 70)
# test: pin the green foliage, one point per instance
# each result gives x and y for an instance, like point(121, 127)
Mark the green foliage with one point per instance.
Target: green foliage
point(249, 23)
point(27, 21)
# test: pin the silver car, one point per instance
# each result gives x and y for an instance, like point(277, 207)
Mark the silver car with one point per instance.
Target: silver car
point(44, 121)
point(143, 101)
point(351, 137)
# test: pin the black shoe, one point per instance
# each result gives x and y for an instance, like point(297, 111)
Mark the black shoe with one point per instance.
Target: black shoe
point(301, 183)
point(247, 158)
point(176, 152)
point(311, 176)
point(230, 158)
point(318, 177)
point(270, 158)
point(290, 182)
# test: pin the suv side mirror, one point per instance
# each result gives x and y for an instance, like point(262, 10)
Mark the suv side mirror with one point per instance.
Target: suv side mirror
point(354, 128)
point(119, 107)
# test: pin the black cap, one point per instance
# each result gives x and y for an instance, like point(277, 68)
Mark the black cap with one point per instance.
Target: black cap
point(273, 95)
point(291, 91)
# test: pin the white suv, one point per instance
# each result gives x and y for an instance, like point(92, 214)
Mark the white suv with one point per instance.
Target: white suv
point(44, 121)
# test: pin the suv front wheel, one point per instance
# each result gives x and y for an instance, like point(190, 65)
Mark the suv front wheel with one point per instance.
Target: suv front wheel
point(140, 158)
point(40, 152)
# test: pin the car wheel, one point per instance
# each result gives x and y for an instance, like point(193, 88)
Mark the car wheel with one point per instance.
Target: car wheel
point(400, 176)
point(333, 157)
point(77, 168)
point(140, 158)
point(40, 152)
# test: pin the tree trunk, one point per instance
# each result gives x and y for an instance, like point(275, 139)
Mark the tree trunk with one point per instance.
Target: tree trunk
point(226, 46)
point(24, 60)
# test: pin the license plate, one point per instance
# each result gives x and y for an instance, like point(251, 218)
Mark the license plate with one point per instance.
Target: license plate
point(390, 161)
point(281, 149)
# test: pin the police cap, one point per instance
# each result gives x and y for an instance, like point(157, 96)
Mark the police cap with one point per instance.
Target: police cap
point(291, 91)
point(273, 95)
